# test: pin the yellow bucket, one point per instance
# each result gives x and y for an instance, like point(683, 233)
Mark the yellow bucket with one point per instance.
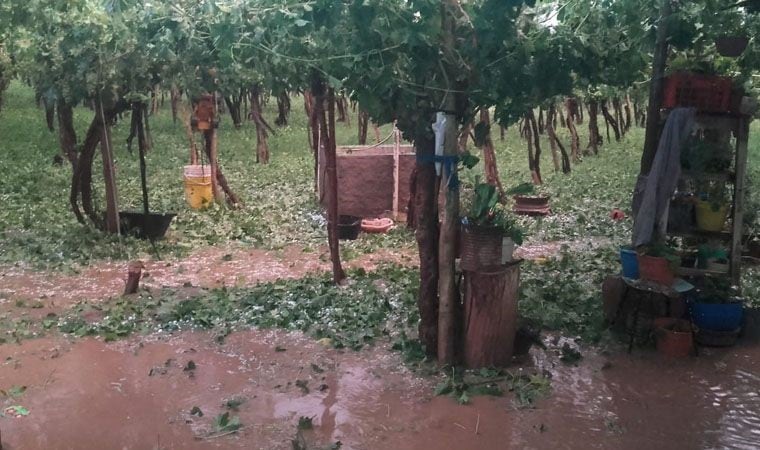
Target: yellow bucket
point(709, 219)
point(198, 192)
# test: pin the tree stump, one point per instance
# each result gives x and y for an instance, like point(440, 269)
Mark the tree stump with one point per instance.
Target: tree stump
point(490, 316)
point(134, 273)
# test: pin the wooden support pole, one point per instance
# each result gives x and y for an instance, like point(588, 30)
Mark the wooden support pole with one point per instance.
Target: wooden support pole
point(652, 134)
point(396, 150)
point(447, 288)
point(490, 316)
point(109, 174)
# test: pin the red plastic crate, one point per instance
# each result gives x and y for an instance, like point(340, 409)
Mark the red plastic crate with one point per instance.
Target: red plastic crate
point(704, 92)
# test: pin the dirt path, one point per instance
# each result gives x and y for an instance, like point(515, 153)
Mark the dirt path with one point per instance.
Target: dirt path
point(210, 267)
point(135, 394)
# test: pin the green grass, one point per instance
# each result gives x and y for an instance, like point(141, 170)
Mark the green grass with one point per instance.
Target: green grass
point(38, 229)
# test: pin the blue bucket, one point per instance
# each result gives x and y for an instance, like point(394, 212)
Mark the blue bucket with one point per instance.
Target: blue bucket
point(717, 316)
point(630, 262)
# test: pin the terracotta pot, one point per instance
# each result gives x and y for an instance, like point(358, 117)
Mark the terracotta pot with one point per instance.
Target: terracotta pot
point(657, 269)
point(532, 205)
point(376, 225)
point(675, 338)
point(731, 46)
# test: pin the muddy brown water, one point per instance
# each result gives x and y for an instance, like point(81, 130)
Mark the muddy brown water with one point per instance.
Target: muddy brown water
point(88, 394)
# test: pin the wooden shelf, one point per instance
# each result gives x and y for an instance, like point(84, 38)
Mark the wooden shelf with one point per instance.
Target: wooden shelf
point(728, 175)
point(696, 233)
point(692, 272)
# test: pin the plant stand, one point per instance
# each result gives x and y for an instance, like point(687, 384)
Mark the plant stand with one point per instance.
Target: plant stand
point(490, 315)
point(642, 297)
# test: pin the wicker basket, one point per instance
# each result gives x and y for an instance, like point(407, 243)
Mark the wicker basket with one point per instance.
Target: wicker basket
point(481, 247)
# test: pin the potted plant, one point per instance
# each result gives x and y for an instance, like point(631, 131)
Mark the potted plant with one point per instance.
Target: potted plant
point(513, 233)
point(529, 200)
point(484, 227)
point(674, 337)
point(712, 207)
point(716, 307)
point(658, 262)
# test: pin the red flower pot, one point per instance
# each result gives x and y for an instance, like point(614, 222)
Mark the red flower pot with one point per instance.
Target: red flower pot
point(675, 338)
point(657, 269)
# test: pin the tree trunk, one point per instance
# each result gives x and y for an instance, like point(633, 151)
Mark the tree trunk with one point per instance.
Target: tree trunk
point(541, 124)
point(67, 135)
point(502, 132)
point(176, 97)
point(327, 131)
point(339, 103)
point(234, 104)
point(534, 155)
point(49, 107)
point(427, 236)
point(627, 109)
point(618, 109)
point(552, 135)
point(262, 127)
point(562, 117)
point(219, 184)
point(575, 143)
point(464, 136)
point(312, 115)
point(611, 121)
point(109, 174)
point(363, 121)
point(593, 127)
point(489, 155)
point(490, 316)
point(283, 109)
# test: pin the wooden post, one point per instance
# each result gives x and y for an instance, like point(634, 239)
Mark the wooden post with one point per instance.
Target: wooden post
point(655, 90)
point(109, 174)
point(490, 316)
point(332, 185)
point(447, 289)
point(737, 226)
point(397, 144)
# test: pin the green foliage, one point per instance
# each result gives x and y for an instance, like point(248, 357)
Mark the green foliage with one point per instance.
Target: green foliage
point(313, 305)
point(562, 292)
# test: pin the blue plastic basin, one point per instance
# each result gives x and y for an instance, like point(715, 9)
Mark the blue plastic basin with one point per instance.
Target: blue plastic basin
point(717, 316)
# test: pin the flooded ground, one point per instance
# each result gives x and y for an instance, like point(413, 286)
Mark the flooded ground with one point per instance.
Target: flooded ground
point(139, 394)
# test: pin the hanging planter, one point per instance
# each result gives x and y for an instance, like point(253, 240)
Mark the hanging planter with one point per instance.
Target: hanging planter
point(731, 46)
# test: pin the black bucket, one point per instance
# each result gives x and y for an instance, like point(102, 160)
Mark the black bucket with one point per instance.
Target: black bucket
point(349, 227)
point(136, 224)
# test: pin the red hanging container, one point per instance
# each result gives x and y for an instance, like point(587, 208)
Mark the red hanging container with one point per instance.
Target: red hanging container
point(707, 93)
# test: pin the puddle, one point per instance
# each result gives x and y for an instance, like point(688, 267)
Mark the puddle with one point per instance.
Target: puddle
point(90, 394)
